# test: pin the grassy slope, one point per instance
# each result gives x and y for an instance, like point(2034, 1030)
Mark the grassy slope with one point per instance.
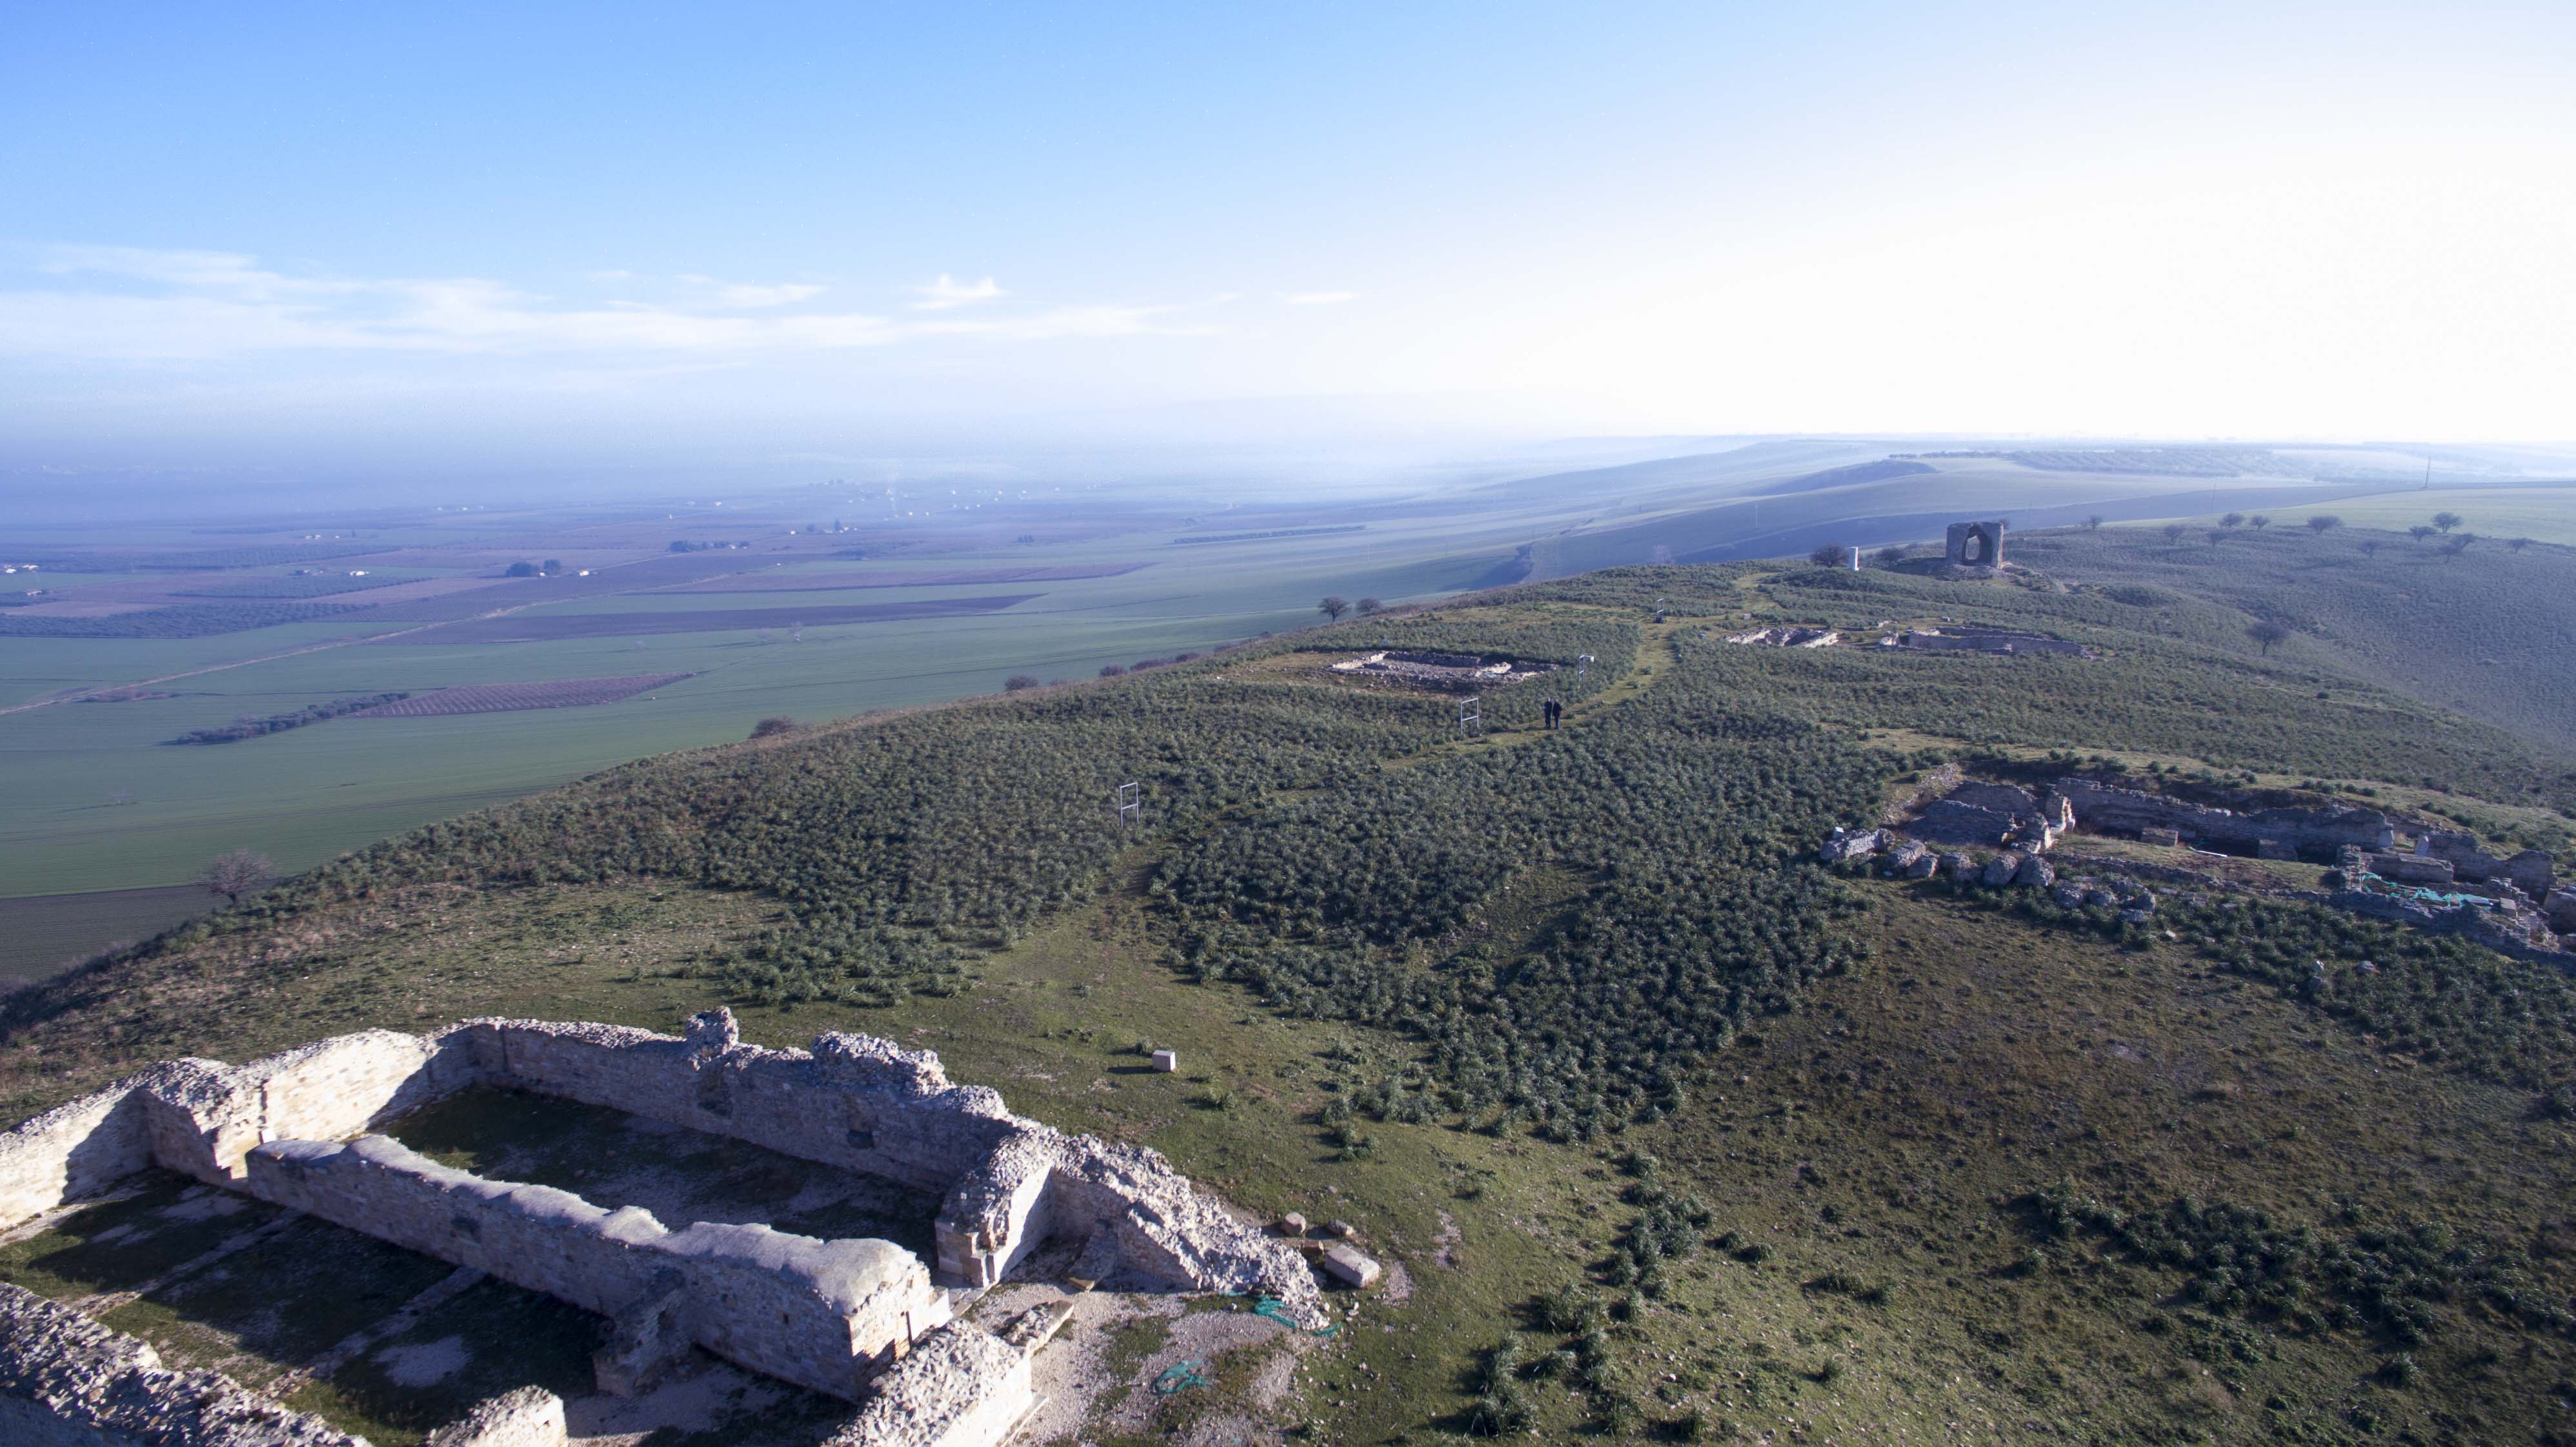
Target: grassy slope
point(1881, 1133)
point(2487, 633)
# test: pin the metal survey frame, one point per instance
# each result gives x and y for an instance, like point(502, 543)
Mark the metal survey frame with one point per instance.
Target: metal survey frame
point(1130, 799)
point(1471, 716)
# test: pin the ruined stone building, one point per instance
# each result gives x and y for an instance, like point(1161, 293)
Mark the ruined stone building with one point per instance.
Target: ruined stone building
point(860, 1319)
point(1976, 544)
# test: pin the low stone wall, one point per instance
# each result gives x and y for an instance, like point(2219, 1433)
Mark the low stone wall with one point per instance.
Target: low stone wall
point(865, 1104)
point(2310, 831)
point(852, 1101)
point(822, 1314)
point(74, 1151)
point(66, 1381)
point(962, 1387)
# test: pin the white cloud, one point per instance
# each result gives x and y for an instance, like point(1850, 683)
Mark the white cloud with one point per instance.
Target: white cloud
point(1318, 298)
point(948, 292)
point(134, 304)
point(764, 296)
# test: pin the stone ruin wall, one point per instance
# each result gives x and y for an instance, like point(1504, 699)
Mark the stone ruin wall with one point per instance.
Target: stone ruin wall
point(825, 1315)
point(268, 1128)
point(2309, 830)
point(66, 1381)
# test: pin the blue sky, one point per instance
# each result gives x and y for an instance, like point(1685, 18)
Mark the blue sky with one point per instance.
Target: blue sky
point(242, 233)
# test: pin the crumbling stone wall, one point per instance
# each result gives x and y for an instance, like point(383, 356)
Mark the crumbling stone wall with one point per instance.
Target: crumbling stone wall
point(206, 1115)
point(66, 1381)
point(961, 1387)
point(821, 1314)
point(2309, 831)
point(1010, 1185)
point(2532, 871)
point(74, 1151)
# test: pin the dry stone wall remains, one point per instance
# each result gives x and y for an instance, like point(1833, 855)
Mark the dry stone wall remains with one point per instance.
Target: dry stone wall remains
point(829, 1315)
point(2309, 831)
point(825, 1315)
point(961, 1387)
point(66, 1381)
point(528, 1417)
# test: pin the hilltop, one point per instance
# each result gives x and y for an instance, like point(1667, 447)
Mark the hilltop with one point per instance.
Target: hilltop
point(1665, 1129)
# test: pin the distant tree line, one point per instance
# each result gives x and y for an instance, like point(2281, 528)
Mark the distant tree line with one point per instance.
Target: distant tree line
point(278, 723)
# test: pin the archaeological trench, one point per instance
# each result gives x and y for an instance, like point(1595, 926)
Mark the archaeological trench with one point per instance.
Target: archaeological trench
point(862, 1320)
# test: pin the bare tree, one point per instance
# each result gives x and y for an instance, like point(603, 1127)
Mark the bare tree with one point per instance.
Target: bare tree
point(1892, 554)
point(1112, 670)
point(774, 725)
point(1018, 681)
point(2175, 532)
point(235, 873)
point(1828, 555)
point(2458, 545)
point(2371, 547)
point(2232, 520)
point(2093, 524)
point(2420, 532)
point(2447, 520)
point(2324, 523)
point(2259, 521)
point(1371, 605)
point(2518, 544)
point(2267, 633)
point(1333, 606)
point(2217, 536)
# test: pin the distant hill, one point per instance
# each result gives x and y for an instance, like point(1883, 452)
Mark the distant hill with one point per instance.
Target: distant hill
point(1858, 472)
point(2489, 631)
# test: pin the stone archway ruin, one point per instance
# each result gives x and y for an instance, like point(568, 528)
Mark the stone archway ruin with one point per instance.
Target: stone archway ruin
point(1977, 544)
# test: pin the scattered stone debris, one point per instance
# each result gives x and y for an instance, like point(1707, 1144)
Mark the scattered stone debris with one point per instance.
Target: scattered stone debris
point(1456, 672)
point(1345, 1263)
point(1964, 639)
point(1787, 637)
point(1846, 844)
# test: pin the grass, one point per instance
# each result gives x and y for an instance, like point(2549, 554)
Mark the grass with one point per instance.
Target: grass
point(1868, 1138)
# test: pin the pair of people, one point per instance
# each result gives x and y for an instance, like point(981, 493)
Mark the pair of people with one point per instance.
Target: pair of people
point(1554, 712)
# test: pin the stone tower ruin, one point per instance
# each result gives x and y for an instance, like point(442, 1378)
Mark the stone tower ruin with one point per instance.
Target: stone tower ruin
point(1977, 545)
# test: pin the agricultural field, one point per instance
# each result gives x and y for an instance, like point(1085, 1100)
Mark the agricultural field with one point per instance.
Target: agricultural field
point(1665, 1132)
point(757, 613)
point(512, 697)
